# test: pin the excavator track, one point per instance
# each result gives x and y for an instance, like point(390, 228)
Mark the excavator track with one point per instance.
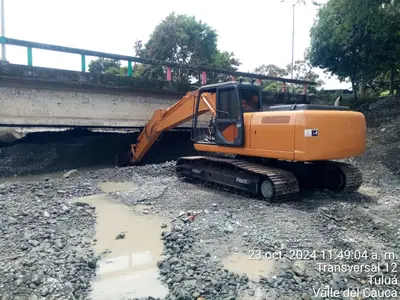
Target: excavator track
point(272, 184)
point(338, 177)
point(350, 177)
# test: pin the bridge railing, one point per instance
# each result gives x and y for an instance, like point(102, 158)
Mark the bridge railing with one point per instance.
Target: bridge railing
point(132, 59)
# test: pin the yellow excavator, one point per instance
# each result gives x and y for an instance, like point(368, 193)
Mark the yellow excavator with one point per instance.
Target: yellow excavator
point(268, 154)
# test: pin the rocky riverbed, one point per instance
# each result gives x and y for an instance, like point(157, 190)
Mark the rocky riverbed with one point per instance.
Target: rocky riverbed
point(140, 233)
point(235, 248)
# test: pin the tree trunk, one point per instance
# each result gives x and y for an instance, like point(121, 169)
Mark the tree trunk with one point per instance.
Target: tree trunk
point(363, 85)
point(392, 73)
point(353, 86)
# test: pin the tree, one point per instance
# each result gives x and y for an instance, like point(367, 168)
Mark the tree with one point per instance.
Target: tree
point(182, 39)
point(271, 70)
point(355, 39)
point(107, 66)
point(302, 70)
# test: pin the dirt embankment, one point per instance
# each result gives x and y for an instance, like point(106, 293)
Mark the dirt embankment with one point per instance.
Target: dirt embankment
point(383, 139)
point(43, 152)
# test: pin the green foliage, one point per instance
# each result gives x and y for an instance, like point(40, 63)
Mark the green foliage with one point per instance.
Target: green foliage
point(271, 70)
point(107, 66)
point(386, 93)
point(183, 39)
point(138, 70)
point(356, 39)
point(302, 70)
point(222, 60)
point(273, 86)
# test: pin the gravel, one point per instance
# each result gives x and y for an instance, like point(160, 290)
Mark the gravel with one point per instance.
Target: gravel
point(45, 250)
point(47, 242)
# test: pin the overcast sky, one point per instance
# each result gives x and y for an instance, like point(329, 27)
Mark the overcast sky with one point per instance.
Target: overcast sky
point(258, 32)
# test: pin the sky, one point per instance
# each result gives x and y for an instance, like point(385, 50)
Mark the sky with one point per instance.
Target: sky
point(258, 32)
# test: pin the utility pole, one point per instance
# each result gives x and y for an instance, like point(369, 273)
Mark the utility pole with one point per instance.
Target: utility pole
point(294, 5)
point(3, 33)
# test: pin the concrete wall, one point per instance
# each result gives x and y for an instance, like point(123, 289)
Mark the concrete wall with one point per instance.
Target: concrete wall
point(37, 106)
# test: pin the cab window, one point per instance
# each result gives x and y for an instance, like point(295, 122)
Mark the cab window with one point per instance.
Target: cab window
point(250, 100)
point(228, 104)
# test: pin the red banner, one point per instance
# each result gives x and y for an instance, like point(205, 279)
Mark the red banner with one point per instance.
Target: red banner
point(203, 78)
point(169, 74)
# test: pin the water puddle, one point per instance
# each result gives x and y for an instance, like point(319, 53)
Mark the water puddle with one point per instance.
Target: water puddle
point(130, 269)
point(369, 191)
point(241, 264)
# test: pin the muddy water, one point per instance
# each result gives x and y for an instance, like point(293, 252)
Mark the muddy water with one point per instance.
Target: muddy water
point(253, 268)
point(130, 269)
point(241, 264)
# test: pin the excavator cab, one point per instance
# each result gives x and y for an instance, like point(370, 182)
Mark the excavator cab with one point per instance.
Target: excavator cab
point(232, 100)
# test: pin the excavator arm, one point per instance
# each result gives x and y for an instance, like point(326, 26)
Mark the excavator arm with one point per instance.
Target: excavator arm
point(166, 119)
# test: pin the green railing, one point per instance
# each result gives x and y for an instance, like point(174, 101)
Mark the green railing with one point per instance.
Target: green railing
point(83, 53)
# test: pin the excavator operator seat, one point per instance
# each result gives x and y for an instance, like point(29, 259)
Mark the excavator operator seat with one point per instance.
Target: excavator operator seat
point(250, 100)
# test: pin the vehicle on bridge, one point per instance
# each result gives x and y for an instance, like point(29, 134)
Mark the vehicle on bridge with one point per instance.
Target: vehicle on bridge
point(270, 154)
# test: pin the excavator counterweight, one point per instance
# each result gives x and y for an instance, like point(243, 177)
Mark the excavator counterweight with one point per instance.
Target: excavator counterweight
point(270, 153)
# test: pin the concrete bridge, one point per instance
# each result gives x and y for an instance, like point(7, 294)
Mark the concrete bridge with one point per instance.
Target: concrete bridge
point(44, 97)
point(41, 97)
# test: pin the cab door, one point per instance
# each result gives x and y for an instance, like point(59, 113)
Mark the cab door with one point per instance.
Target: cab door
point(229, 118)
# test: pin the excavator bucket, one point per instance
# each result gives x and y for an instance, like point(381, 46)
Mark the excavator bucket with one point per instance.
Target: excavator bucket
point(170, 146)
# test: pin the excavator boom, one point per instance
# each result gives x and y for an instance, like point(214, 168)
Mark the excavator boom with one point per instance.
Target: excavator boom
point(166, 119)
